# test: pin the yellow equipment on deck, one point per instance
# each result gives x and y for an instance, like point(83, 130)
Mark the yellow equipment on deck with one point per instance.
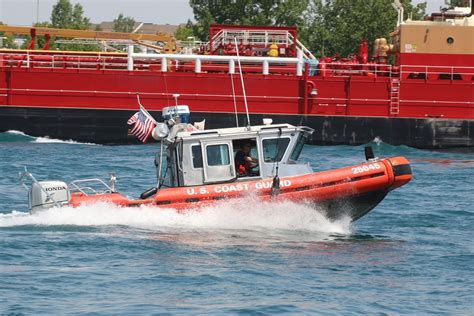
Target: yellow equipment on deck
point(170, 41)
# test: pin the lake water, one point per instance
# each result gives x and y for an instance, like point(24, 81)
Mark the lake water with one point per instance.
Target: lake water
point(413, 254)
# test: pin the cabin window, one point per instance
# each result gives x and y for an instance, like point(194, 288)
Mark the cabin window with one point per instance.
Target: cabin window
point(295, 155)
point(218, 155)
point(274, 148)
point(196, 153)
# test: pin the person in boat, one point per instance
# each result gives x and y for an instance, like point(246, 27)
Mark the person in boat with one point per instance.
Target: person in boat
point(244, 163)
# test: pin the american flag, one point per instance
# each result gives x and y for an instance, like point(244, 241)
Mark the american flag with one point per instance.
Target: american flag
point(143, 125)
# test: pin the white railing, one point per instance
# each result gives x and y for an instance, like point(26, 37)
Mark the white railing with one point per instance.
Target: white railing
point(347, 70)
point(230, 60)
point(300, 46)
point(425, 72)
point(29, 60)
point(217, 63)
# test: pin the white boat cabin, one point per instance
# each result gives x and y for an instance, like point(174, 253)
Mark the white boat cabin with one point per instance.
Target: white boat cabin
point(202, 157)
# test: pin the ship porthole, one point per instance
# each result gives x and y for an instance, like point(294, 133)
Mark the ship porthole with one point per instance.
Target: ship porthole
point(450, 40)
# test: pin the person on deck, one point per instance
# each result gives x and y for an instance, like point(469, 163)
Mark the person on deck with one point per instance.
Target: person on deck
point(243, 161)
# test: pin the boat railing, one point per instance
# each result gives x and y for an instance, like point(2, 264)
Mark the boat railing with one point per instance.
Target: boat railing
point(156, 62)
point(90, 186)
point(306, 52)
point(63, 61)
point(341, 69)
point(227, 64)
point(218, 61)
point(423, 72)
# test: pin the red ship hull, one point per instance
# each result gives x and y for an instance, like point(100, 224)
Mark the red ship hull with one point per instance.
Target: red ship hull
point(93, 105)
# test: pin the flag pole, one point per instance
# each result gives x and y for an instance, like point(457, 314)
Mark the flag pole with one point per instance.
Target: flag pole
point(142, 108)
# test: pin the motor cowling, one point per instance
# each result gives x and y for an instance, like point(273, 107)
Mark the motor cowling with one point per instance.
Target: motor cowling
point(38, 195)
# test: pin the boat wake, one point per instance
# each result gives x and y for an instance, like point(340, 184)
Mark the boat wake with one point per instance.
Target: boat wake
point(241, 214)
point(17, 136)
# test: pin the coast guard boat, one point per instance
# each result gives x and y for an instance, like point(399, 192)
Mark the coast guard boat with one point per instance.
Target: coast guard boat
point(196, 167)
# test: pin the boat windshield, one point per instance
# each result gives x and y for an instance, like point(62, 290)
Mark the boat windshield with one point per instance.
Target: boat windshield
point(295, 155)
point(274, 148)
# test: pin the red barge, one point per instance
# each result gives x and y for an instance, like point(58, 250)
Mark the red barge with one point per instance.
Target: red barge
point(425, 99)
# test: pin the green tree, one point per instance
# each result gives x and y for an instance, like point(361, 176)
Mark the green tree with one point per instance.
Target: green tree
point(338, 26)
point(124, 24)
point(327, 27)
point(459, 3)
point(183, 32)
point(246, 12)
point(78, 21)
point(61, 15)
point(67, 16)
point(7, 41)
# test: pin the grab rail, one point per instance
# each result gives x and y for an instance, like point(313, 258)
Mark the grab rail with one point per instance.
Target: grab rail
point(76, 186)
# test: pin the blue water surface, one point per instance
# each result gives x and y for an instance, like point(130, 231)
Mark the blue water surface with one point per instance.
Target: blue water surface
point(414, 254)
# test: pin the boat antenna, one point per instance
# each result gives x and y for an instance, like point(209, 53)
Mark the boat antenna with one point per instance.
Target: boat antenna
point(243, 85)
point(276, 180)
point(235, 101)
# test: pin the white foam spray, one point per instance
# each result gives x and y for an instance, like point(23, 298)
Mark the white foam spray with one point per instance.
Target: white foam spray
point(239, 214)
point(17, 133)
point(46, 139)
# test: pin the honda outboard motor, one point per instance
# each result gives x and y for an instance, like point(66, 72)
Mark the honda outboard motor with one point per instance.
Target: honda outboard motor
point(46, 194)
point(178, 113)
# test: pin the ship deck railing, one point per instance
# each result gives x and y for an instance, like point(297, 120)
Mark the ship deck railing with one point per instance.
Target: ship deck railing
point(229, 64)
point(434, 72)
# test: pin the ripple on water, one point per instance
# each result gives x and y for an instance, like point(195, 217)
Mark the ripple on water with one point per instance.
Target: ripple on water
point(412, 255)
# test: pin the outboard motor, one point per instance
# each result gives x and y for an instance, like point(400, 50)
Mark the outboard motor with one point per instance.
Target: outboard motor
point(46, 194)
point(178, 113)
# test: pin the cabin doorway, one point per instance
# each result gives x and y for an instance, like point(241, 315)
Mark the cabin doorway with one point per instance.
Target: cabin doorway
point(246, 158)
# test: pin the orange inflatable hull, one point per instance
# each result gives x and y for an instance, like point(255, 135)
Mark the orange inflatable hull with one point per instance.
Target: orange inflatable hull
point(351, 191)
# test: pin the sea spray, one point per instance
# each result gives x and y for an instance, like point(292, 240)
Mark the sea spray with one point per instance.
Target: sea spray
point(18, 136)
point(239, 214)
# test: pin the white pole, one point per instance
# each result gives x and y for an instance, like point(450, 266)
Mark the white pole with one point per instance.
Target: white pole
point(265, 70)
point(164, 64)
point(242, 81)
point(197, 66)
point(299, 65)
point(130, 57)
point(231, 66)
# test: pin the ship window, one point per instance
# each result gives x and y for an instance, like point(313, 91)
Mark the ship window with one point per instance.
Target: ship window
point(274, 148)
point(298, 148)
point(197, 156)
point(449, 77)
point(417, 75)
point(450, 40)
point(218, 155)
